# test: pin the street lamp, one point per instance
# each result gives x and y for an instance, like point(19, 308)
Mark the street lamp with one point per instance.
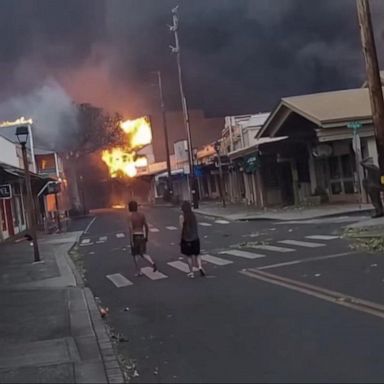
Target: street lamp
point(22, 136)
point(217, 147)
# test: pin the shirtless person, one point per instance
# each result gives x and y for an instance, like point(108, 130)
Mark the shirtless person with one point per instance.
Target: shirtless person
point(138, 231)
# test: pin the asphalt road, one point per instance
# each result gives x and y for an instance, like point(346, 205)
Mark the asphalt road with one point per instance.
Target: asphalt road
point(233, 325)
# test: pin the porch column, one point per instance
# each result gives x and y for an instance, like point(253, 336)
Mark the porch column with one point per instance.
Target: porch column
point(312, 170)
point(260, 187)
point(295, 181)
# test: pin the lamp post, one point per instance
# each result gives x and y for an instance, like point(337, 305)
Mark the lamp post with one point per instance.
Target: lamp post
point(217, 146)
point(22, 136)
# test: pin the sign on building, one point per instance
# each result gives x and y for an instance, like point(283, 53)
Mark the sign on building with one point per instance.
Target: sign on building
point(5, 191)
point(181, 151)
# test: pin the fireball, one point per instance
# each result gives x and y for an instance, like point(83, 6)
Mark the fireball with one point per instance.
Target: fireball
point(123, 160)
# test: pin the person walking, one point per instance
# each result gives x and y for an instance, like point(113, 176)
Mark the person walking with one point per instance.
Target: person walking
point(138, 232)
point(372, 185)
point(190, 242)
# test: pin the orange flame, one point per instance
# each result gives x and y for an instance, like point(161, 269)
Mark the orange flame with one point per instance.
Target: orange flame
point(124, 160)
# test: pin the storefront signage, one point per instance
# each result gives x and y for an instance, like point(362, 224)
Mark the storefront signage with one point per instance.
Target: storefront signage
point(5, 191)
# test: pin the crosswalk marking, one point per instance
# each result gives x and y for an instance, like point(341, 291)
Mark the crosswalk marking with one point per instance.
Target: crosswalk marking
point(321, 237)
point(221, 222)
point(306, 244)
point(85, 242)
point(243, 254)
point(272, 248)
point(205, 224)
point(102, 239)
point(183, 267)
point(148, 271)
point(171, 228)
point(119, 280)
point(215, 260)
point(153, 229)
point(120, 235)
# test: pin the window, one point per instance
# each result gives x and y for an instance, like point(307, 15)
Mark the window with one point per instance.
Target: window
point(213, 183)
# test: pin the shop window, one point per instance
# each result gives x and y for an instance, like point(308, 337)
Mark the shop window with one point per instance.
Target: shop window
point(213, 183)
point(303, 171)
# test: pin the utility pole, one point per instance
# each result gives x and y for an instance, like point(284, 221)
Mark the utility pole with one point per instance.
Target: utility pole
point(373, 75)
point(165, 127)
point(217, 146)
point(176, 50)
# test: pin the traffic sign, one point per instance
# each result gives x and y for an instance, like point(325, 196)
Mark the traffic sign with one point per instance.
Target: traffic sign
point(5, 191)
point(354, 125)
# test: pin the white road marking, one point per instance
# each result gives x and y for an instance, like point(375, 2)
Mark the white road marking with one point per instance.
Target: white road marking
point(306, 244)
point(148, 271)
point(85, 241)
point(216, 260)
point(243, 254)
point(205, 224)
point(300, 261)
point(153, 229)
point(120, 235)
point(89, 225)
point(119, 280)
point(102, 239)
point(171, 228)
point(183, 267)
point(221, 222)
point(271, 248)
point(322, 237)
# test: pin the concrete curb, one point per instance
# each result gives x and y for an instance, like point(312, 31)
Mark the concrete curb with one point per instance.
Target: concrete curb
point(111, 363)
point(262, 217)
point(113, 371)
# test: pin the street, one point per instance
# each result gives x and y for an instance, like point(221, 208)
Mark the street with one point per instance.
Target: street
point(239, 324)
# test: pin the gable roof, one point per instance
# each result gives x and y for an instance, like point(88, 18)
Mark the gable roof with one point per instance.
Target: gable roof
point(332, 107)
point(326, 109)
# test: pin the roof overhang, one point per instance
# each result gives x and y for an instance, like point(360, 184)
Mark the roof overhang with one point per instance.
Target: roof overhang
point(252, 148)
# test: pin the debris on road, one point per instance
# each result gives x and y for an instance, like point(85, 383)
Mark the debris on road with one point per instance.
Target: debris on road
point(126, 309)
point(104, 311)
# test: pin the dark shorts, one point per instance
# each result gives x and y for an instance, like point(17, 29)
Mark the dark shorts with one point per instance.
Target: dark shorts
point(190, 248)
point(139, 245)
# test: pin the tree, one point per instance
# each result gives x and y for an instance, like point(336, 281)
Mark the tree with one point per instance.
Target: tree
point(96, 130)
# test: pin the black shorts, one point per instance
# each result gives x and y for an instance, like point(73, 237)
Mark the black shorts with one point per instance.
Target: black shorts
point(190, 248)
point(139, 245)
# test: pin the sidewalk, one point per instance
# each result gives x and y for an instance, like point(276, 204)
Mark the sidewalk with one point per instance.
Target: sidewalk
point(242, 212)
point(50, 326)
point(368, 228)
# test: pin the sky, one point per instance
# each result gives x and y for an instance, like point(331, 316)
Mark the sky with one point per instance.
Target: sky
point(239, 56)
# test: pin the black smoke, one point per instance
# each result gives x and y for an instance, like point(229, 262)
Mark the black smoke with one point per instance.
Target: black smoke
point(239, 56)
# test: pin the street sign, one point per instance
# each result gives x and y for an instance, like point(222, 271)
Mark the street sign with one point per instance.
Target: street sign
point(5, 191)
point(354, 125)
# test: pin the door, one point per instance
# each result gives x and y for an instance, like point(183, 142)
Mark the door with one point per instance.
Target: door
point(286, 183)
point(9, 217)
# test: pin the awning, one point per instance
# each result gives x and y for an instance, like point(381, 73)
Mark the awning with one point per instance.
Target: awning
point(174, 172)
point(19, 173)
point(254, 147)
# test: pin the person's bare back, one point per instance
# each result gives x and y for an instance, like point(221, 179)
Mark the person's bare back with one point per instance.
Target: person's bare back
point(137, 223)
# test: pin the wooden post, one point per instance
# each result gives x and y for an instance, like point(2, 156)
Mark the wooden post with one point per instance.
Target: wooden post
point(373, 75)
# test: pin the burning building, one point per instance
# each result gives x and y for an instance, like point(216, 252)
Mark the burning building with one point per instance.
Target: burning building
point(124, 160)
